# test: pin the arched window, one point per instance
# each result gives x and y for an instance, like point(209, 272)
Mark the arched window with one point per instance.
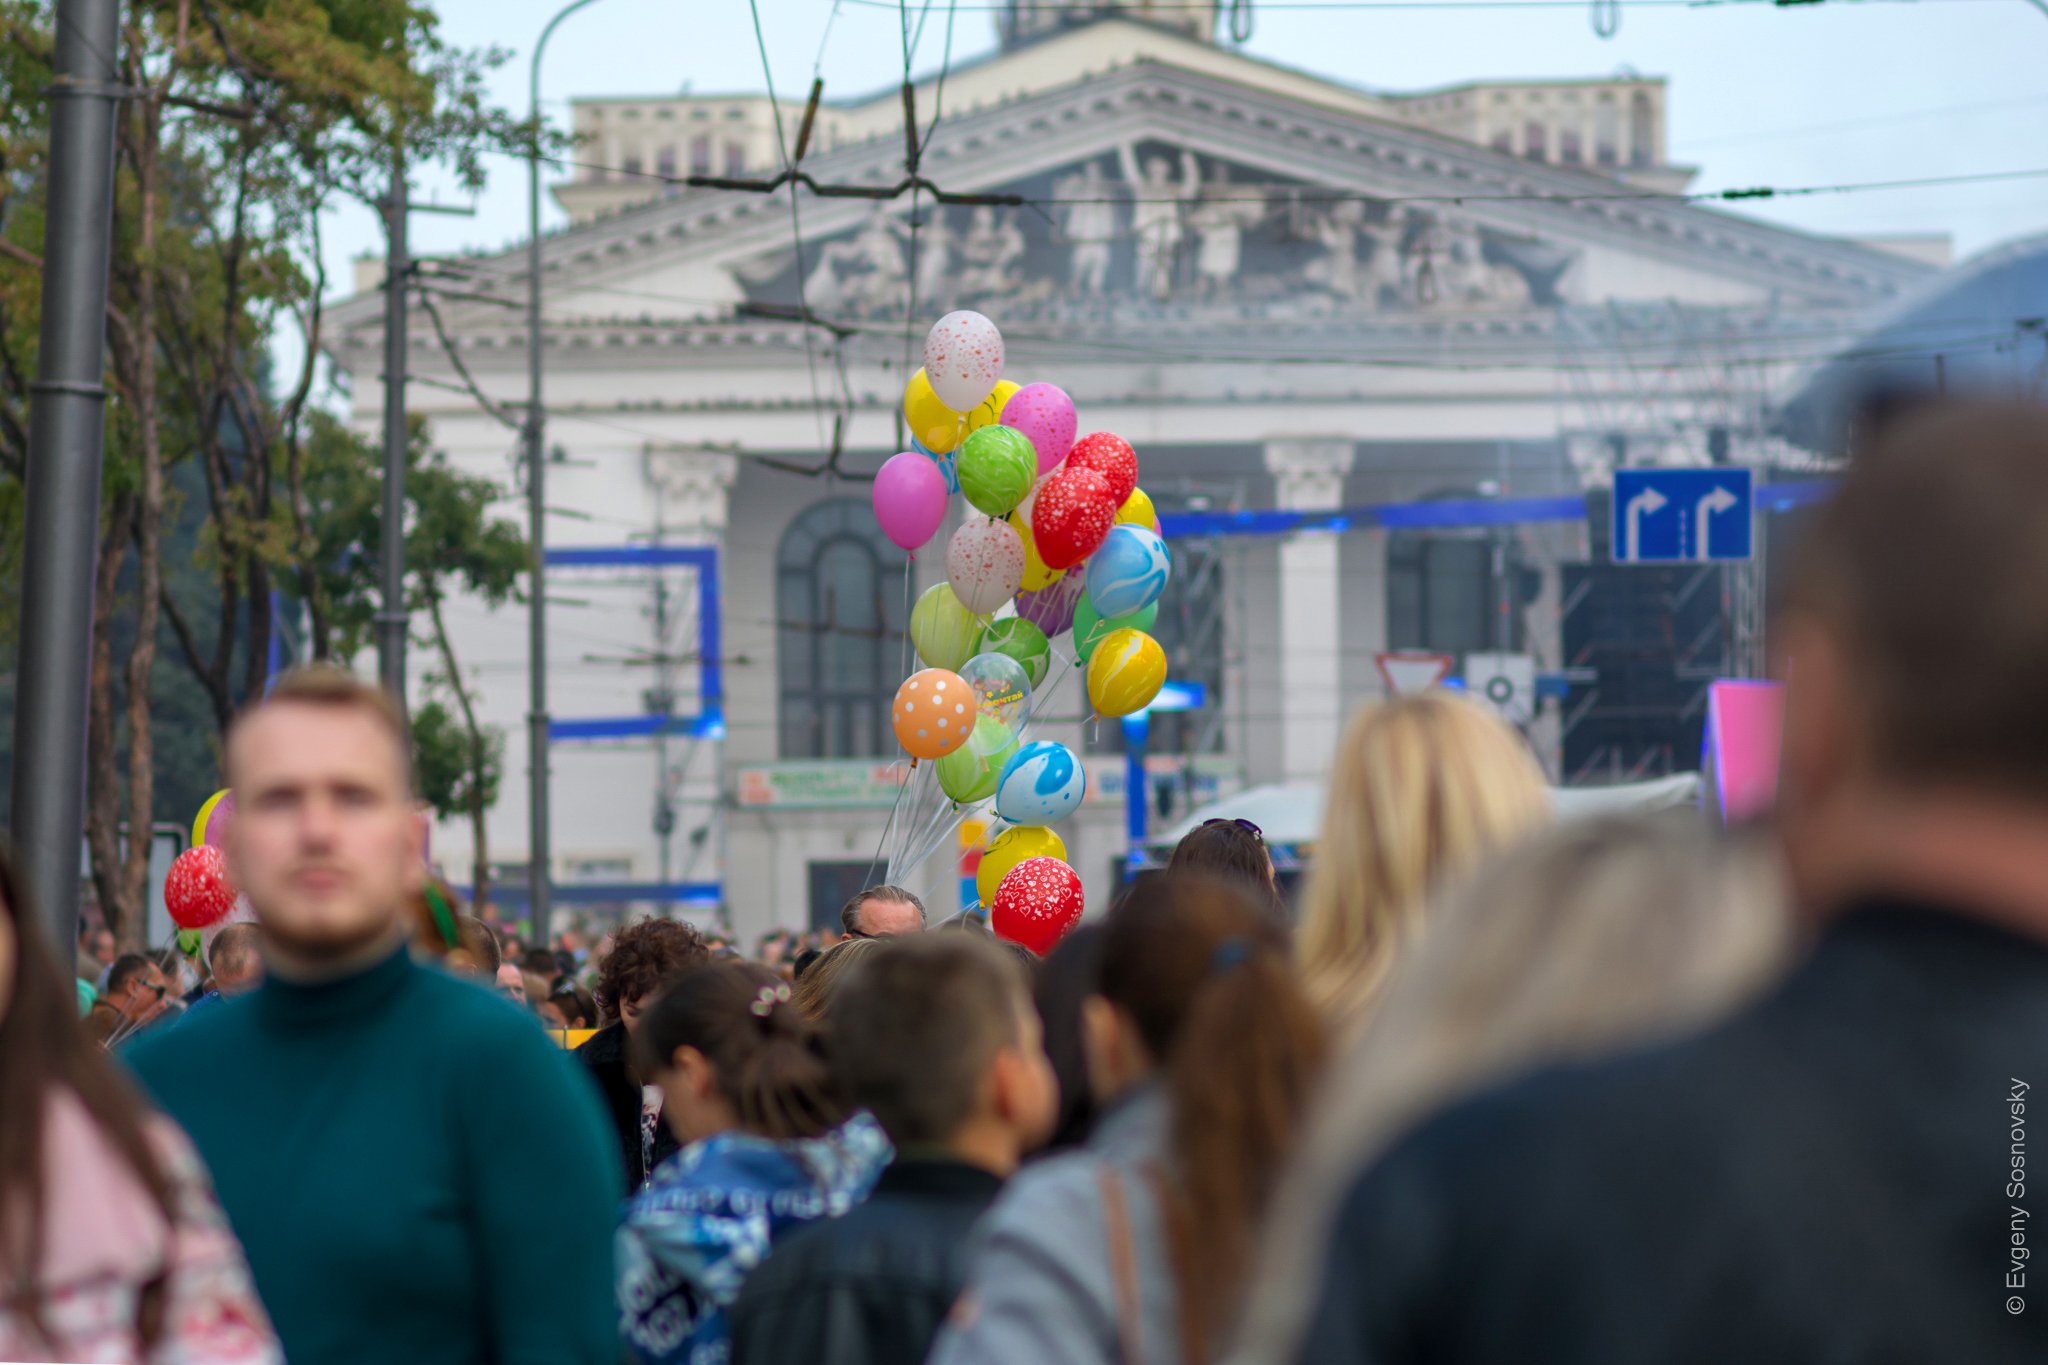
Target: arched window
point(841, 621)
point(1607, 133)
point(1535, 141)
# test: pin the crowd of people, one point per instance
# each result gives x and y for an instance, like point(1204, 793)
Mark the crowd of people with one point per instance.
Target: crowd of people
point(1623, 1090)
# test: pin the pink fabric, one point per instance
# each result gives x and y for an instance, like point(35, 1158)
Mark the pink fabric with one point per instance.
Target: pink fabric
point(104, 1239)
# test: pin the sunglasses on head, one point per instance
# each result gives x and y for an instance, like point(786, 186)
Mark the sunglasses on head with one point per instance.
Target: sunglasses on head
point(1245, 825)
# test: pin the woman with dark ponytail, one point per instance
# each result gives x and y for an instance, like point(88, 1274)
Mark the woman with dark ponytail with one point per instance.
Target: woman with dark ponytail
point(766, 1146)
point(1134, 1249)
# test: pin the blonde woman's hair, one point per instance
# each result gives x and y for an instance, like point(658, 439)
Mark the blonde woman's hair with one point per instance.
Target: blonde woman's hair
point(814, 989)
point(1422, 787)
point(1604, 934)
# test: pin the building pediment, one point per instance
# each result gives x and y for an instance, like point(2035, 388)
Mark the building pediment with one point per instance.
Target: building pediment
point(1159, 191)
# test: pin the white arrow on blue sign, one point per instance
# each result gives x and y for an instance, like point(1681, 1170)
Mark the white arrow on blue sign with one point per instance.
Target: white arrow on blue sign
point(1677, 516)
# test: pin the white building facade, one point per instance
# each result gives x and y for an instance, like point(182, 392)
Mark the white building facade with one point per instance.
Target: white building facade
point(1287, 294)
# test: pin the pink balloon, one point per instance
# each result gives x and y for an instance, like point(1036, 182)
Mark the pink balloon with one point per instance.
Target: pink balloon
point(217, 823)
point(910, 499)
point(1044, 413)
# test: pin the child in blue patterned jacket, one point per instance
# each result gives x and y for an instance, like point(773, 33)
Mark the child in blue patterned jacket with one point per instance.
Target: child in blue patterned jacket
point(768, 1147)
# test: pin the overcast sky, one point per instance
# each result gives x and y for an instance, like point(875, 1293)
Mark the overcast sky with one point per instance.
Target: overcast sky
point(1845, 91)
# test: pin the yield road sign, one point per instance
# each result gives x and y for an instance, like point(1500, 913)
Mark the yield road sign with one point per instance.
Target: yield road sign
point(1409, 671)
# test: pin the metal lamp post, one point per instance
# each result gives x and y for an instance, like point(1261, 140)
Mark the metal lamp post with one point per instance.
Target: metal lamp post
point(539, 868)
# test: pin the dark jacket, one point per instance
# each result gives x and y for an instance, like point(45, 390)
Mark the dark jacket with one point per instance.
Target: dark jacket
point(604, 1056)
point(1834, 1175)
point(872, 1287)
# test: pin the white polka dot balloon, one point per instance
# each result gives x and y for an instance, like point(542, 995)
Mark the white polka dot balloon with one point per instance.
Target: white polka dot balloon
point(963, 359)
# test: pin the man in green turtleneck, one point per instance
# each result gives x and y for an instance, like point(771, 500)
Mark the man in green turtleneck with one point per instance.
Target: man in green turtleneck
point(377, 1129)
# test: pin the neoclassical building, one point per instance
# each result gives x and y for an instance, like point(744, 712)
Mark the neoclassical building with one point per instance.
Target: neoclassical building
point(1289, 294)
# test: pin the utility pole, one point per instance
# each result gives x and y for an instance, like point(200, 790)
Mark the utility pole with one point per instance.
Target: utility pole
point(66, 444)
point(540, 838)
point(393, 620)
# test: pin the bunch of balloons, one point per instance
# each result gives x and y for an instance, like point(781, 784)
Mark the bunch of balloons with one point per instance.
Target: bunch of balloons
point(1059, 538)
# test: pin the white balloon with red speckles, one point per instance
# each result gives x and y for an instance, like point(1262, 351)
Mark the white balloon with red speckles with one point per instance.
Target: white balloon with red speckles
point(985, 564)
point(963, 359)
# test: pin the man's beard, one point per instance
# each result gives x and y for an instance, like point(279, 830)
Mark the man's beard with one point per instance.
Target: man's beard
point(327, 944)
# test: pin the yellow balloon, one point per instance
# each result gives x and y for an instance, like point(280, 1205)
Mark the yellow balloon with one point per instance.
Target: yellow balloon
point(991, 410)
point(932, 424)
point(1138, 511)
point(1037, 576)
point(1126, 673)
point(1011, 847)
point(205, 814)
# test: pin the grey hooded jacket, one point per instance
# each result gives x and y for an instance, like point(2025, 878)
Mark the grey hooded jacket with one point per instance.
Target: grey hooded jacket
point(1040, 1286)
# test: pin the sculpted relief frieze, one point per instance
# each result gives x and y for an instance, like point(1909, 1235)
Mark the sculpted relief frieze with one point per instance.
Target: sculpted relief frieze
point(1154, 226)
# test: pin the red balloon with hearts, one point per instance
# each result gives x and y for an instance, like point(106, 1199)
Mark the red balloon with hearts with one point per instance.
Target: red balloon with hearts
point(198, 892)
point(1111, 457)
point(1038, 902)
point(1072, 515)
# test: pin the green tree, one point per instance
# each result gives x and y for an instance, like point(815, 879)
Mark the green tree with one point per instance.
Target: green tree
point(246, 119)
point(453, 544)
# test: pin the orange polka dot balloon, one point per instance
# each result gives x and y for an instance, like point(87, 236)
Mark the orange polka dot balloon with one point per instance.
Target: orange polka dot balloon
point(933, 713)
point(1038, 902)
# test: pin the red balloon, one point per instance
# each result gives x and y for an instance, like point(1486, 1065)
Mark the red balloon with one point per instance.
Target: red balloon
point(1111, 457)
point(1073, 514)
point(1038, 902)
point(197, 892)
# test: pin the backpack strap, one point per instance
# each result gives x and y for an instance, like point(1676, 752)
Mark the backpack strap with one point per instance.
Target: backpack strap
point(1123, 1262)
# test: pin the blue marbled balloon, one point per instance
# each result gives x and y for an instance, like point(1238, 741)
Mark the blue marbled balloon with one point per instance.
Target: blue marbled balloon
point(948, 464)
point(1044, 782)
point(1129, 572)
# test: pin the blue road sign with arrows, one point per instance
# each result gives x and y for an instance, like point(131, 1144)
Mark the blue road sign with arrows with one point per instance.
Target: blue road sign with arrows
point(1676, 516)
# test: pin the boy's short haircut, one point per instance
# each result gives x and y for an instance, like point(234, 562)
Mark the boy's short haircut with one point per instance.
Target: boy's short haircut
point(912, 1030)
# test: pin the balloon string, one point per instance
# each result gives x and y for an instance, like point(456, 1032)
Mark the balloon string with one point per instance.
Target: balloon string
point(925, 842)
point(909, 566)
point(902, 790)
point(920, 810)
point(1043, 696)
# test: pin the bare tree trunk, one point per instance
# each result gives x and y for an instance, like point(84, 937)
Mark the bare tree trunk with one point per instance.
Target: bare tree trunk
point(479, 756)
point(148, 531)
point(103, 793)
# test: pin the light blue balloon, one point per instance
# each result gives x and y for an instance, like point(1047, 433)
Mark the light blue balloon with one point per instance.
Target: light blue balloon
point(1129, 572)
point(948, 464)
point(1044, 782)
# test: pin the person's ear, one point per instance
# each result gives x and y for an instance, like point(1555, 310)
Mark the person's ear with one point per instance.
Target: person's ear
point(699, 1077)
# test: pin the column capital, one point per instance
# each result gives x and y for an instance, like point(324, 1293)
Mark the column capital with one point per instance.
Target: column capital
point(1309, 474)
point(694, 484)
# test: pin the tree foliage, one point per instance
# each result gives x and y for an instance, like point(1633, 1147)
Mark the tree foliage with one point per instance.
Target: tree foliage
point(245, 120)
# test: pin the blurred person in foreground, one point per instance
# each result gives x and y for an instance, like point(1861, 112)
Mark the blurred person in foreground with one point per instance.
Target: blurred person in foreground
point(1136, 1246)
point(1601, 935)
point(1421, 789)
point(1059, 990)
point(644, 956)
point(882, 912)
point(369, 1120)
point(936, 1037)
point(767, 1147)
point(1835, 1173)
point(816, 986)
point(111, 1244)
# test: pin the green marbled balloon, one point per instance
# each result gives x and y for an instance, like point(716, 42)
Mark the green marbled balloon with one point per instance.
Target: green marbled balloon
point(1022, 641)
point(997, 467)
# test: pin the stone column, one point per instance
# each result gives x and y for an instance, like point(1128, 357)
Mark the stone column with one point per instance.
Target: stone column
point(694, 485)
point(1309, 477)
